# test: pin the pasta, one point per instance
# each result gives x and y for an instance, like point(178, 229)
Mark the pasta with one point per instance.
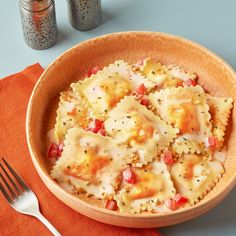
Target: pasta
point(135, 125)
point(91, 163)
point(153, 185)
point(220, 109)
point(140, 138)
point(165, 76)
point(186, 109)
point(105, 89)
point(194, 177)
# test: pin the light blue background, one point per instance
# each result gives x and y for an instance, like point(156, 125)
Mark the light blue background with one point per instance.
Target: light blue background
point(211, 23)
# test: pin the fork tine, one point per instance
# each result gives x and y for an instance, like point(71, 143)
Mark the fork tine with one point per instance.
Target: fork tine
point(5, 193)
point(8, 186)
point(18, 178)
point(19, 191)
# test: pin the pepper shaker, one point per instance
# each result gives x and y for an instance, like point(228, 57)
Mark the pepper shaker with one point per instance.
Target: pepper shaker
point(38, 19)
point(84, 14)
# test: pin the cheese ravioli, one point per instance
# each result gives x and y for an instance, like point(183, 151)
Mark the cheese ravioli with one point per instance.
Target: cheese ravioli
point(186, 109)
point(72, 112)
point(91, 163)
point(165, 76)
point(152, 187)
point(133, 124)
point(194, 177)
point(220, 109)
point(105, 89)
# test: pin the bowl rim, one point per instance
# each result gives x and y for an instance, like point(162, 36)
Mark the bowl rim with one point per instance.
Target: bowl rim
point(43, 172)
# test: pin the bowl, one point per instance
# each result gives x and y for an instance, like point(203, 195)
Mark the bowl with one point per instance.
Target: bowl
point(215, 75)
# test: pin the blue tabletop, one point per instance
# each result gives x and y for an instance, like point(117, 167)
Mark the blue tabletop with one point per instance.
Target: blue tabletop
point(208, 22)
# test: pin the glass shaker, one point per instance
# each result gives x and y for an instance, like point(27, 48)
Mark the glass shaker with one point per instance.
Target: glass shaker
point(39, 25)
point(84, 14)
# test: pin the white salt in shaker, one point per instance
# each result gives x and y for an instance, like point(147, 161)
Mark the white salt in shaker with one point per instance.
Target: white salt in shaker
point(39, 25)
point(84, 14)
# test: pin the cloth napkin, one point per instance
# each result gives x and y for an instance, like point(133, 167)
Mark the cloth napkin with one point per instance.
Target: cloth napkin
point(15, 91)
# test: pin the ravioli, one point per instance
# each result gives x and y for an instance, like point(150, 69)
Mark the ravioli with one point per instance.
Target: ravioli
point(71, 112)
point(140, 137)
point(186, 109)
point(220, 109)
point(165, 76)
point(194, 177)
point(91, 163)
point(133, 124)
point(152, 186)
point(105, 89)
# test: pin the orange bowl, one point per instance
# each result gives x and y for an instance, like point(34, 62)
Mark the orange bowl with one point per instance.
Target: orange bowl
point(215, 75)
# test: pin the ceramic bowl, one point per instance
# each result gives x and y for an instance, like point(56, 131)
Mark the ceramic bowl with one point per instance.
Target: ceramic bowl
point(215, 75)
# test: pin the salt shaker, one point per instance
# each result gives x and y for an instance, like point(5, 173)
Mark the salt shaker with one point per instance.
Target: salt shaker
point(39, 25)
point(84, 14)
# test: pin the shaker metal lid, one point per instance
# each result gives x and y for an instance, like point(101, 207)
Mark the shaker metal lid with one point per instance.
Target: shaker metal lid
point(35, 5)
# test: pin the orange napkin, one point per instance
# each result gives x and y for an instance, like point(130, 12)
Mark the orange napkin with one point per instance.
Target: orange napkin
point(15, 91)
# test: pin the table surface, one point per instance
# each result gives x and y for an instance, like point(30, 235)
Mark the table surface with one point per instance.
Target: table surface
point(208, 22)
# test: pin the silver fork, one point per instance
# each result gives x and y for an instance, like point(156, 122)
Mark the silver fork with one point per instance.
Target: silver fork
point(20, 196)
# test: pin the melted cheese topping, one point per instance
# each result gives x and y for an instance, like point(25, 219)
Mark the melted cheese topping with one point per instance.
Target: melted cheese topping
point(135, 125)
point(165, 76)
point(71, 112)
point(185, 108)
point(220, 109)
point(152, 186)
point(194, 177)
point(104, 90)
point(91, 163)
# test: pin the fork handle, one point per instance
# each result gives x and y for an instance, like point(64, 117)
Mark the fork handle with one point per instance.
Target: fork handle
point(47, 224)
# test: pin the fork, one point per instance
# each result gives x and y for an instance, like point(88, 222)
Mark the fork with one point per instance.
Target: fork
point(21, 197)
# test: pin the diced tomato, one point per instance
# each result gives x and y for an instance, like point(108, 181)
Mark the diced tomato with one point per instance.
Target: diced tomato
point(167, 157)
point(54, 151)
point(96, 125)
point(176, 202)
point(60, 149)
point(144, 101)
point(93, 71)
point(212, 142)
point(190, 82)
point(141, 89)
point(171, 204)
point(128, 175)
point(102, 131)
point(180, 200)
point(111, 205)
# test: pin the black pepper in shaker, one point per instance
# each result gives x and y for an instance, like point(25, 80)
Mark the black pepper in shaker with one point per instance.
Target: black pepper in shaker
point(38, 19)
point(84, 14)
